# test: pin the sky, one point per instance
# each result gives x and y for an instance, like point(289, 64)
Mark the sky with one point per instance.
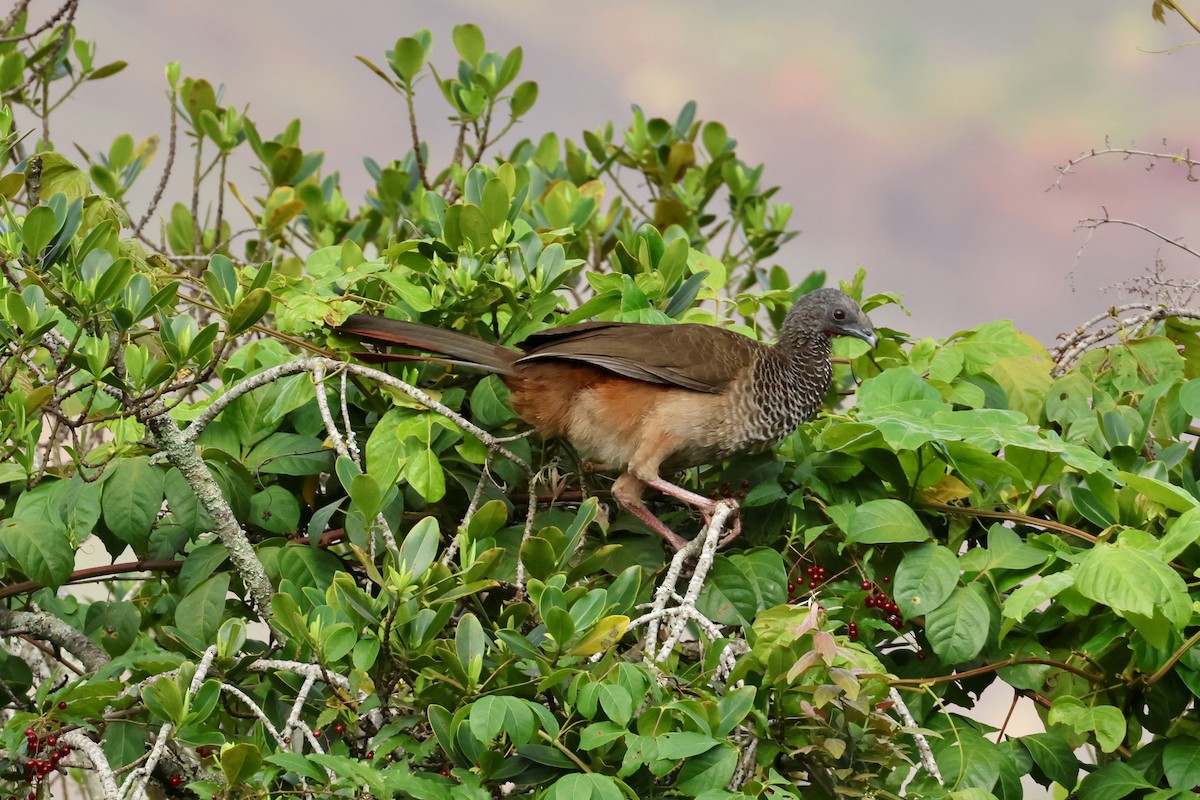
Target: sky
point(916, 139)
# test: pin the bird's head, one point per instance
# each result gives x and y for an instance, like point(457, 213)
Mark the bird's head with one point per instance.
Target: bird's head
point(827, 312)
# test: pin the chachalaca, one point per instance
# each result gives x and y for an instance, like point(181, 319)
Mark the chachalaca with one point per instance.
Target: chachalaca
point(647, 398)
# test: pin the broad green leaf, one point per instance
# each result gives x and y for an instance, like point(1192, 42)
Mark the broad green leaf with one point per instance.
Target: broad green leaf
point(709, 770)
point(1054, 756)
point(1129, 580)
point(1107, 722)
point(925, 578)
point(202, 610)
point(1170, 496)
point(239, 762)
point(1181, 762)
point(275, 509)
point(585, 786)
point(884, 522)
point(1113, 781)
point(741, 585)
point(1020, 603)
point(42, 549)
point(958, 628)
point(131, 501)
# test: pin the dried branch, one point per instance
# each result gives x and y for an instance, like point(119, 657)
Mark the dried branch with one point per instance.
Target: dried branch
point(1127, 153)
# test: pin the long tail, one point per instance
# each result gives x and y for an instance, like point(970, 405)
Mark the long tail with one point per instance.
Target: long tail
point(464, 349)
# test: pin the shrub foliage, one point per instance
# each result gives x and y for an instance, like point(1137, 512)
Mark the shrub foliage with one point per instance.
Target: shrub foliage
point(313, 579)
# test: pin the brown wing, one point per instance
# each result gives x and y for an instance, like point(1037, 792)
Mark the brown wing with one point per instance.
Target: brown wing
point(698, 357)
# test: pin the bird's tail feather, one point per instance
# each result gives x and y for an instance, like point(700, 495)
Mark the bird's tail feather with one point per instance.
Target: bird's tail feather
point(462, 348)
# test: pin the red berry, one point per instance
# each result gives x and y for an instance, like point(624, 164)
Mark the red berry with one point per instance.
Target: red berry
point(866, 585)
point(318, 733)
point(30, 732)
point(62, 705)
point(339, 728)
point(869, 602)
point(371, 756)
point(175, 780)
point(886, 579)
point(52, 740)
point(920, 656)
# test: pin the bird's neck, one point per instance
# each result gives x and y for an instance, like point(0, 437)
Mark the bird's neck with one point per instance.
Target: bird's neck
point(794, 374)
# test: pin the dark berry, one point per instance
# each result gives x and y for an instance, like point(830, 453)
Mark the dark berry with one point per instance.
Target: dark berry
point(866, 585)
point(886, 579)
point(920, 656)
point(52, 740)
point(371, 756)
point(869, 602)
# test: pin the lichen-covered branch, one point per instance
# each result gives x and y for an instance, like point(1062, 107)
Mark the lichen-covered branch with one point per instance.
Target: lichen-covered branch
point(50, 628)
point(181, 452)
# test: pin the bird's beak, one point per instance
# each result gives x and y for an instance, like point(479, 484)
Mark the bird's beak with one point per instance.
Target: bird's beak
point(861, 332)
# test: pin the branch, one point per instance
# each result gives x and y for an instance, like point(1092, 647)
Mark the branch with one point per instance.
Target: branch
point(81, 575)
point(1127, 152)
point(309, 364)
point(927, 760)
point(50, 628)
point(183, 455)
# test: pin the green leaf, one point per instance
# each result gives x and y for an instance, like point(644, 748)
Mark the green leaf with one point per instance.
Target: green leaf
point(884, 522)
point(275, 509)
point(420, 546)
point(469, 42)
point(1181, 762)
point(42, 549)
point(239, 762)
point(131, 500)
point(707, 771)
point(1170, 496)
point(1054, 756)
point(926, 576)
point(41, 223)
point(202, 610)
point(523, 98)
point(1113, 781)
point(740, 586)
point(733, 708)
point(425, 475)
point(250, 310)
point(1107, 722)
point(585, 786)
point(1128, 580)
point(123, 743)
point(1030, 596)
point(617, 702)
point(408, 57)
point(958, 629)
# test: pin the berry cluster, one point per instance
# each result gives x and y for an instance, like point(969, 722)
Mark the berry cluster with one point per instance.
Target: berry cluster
point(879, 599)
point(813, 575)
point(45, 753)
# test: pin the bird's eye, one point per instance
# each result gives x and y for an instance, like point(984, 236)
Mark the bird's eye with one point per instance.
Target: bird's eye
point(839, 314)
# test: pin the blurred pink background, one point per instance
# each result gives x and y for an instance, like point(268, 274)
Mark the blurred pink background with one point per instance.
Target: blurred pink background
point(917, 139)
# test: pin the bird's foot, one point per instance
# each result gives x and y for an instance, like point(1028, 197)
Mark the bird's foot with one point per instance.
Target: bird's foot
point(706, 506)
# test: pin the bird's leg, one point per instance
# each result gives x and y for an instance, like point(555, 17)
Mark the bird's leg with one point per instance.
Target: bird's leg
point(627, 490)
point(704, 505)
